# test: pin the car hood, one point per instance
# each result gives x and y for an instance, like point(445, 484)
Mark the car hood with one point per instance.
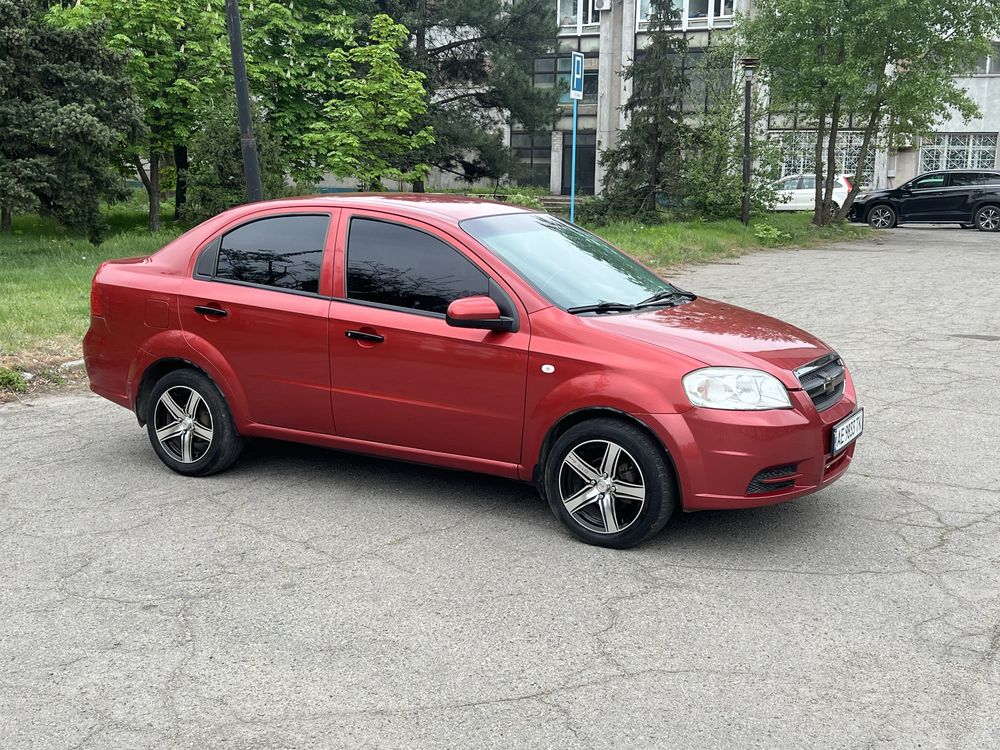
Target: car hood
point(720, 334)
point(869, 194)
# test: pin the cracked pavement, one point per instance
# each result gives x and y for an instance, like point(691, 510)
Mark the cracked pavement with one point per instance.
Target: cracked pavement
point(312, 599)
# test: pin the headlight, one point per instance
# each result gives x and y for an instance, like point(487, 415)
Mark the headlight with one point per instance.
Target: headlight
point(735, 388)
point(861, 197)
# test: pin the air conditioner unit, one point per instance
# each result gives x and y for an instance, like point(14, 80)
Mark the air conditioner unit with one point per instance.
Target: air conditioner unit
point(602, 4)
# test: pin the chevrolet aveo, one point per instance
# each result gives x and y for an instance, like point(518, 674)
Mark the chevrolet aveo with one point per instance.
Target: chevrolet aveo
point(470, 335)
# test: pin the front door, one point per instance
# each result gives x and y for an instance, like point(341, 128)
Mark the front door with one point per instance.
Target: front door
point(586, 162)
point(401, 375)
point(929, 199)
point(255, 299)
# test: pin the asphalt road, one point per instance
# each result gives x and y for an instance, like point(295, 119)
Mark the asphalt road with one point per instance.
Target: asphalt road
point(313, 599)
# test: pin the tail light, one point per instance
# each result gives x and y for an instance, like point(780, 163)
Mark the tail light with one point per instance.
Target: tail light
point(847, 182)
point(96, 303)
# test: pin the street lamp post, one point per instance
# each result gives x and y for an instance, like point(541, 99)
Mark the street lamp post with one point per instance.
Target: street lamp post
point(749, 63)
point(248, 143)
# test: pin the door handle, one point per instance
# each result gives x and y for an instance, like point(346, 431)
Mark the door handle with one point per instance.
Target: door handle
point(363, 336)
point(205, 310)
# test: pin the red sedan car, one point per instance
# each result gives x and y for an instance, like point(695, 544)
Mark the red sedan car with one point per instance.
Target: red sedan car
point(471, 335)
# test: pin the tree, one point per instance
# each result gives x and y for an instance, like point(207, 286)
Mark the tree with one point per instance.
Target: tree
point(216, 178)
point(178, 57)
point(66, 116)
point(712, 144)
point(367, 131)
point(644, 168)
point(889, 64)
point(289, 43)
point(477, 57)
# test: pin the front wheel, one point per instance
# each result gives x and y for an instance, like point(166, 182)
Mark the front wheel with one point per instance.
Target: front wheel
point(189, 425)
point(882, 217)
point(610, 483)
point(988, 219)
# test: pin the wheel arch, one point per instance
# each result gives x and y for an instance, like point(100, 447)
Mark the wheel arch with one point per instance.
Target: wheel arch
point(578, 416)
point(153, 373)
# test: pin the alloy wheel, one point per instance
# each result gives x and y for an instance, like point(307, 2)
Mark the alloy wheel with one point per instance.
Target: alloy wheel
point(183, 424)
point(602, 487)
point(989, 219)
point(881, 217)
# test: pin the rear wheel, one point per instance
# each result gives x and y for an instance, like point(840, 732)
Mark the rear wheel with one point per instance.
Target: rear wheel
point(988, 219)
point(189, 424)
point(610, 483)
point(882, 217)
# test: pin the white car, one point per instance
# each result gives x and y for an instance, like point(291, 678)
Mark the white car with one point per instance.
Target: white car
point(797, 192)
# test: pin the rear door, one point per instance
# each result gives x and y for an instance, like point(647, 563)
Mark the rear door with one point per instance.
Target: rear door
point(260, 298)
point(401, 375)
point(805, 194)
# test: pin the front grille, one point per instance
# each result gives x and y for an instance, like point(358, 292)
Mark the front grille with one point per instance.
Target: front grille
point(823, 379)
point(770, 480)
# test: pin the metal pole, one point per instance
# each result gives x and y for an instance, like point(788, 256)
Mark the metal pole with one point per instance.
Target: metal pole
point(572, 171)
point(745, 214)
point(248, 144)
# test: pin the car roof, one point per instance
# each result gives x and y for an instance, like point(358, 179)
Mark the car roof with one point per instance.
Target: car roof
point(437, 205)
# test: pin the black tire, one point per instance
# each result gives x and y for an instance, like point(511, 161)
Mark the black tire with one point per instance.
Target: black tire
point(988, 218)
point(881, 216)
point(204, 424)
point(639, 462)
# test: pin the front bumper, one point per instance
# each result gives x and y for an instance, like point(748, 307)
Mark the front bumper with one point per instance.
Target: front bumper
point(719, 454)
point(857, 212)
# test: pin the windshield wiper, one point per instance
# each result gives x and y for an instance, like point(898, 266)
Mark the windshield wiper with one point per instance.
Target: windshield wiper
point(601, 307)
point(666, 297)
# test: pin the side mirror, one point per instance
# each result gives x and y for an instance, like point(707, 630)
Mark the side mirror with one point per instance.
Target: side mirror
point(478, 312)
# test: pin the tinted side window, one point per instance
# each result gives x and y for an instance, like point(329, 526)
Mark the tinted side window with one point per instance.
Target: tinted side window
point(285, 252)
point(930, 181)
point(395, 265)
point(808, 182)
point(991, 179)
point(963, 179)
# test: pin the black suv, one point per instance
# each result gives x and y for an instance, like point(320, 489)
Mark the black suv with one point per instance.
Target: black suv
point(968, 197)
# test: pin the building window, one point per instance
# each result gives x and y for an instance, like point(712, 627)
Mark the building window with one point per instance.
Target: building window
point(989, 65)
point(704, 83)
point(534, 152)
point(958, 151)
point(567, 11)
point(798, 154)
point(692, 14)
point(550, 69)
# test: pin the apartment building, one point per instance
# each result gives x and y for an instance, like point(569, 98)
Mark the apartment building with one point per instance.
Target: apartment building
point(610, 32)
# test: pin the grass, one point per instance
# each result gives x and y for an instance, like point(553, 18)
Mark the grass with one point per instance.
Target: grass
point(45, 278)
point(673, 243)
point(45, 272)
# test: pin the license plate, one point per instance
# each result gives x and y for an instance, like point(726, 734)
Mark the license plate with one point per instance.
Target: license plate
point(847, 430)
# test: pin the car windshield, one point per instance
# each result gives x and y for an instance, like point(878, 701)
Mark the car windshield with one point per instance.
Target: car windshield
point(568, 265)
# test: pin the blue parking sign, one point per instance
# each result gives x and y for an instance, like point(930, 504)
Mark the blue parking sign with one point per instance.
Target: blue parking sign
point(576, 77)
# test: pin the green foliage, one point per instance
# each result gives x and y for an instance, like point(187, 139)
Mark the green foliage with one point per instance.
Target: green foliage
point(522, 199)
point(890, 64)
point(643, 171)
point(478, 56)
point(66, 112)
point(366, 130)
point(216, 179)
point(288, 45)
point(12, 380)
point(712, 164)
point(770, 235)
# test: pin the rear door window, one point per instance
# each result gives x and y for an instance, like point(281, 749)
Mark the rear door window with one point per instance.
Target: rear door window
point(281, 252)
point(400, 266)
